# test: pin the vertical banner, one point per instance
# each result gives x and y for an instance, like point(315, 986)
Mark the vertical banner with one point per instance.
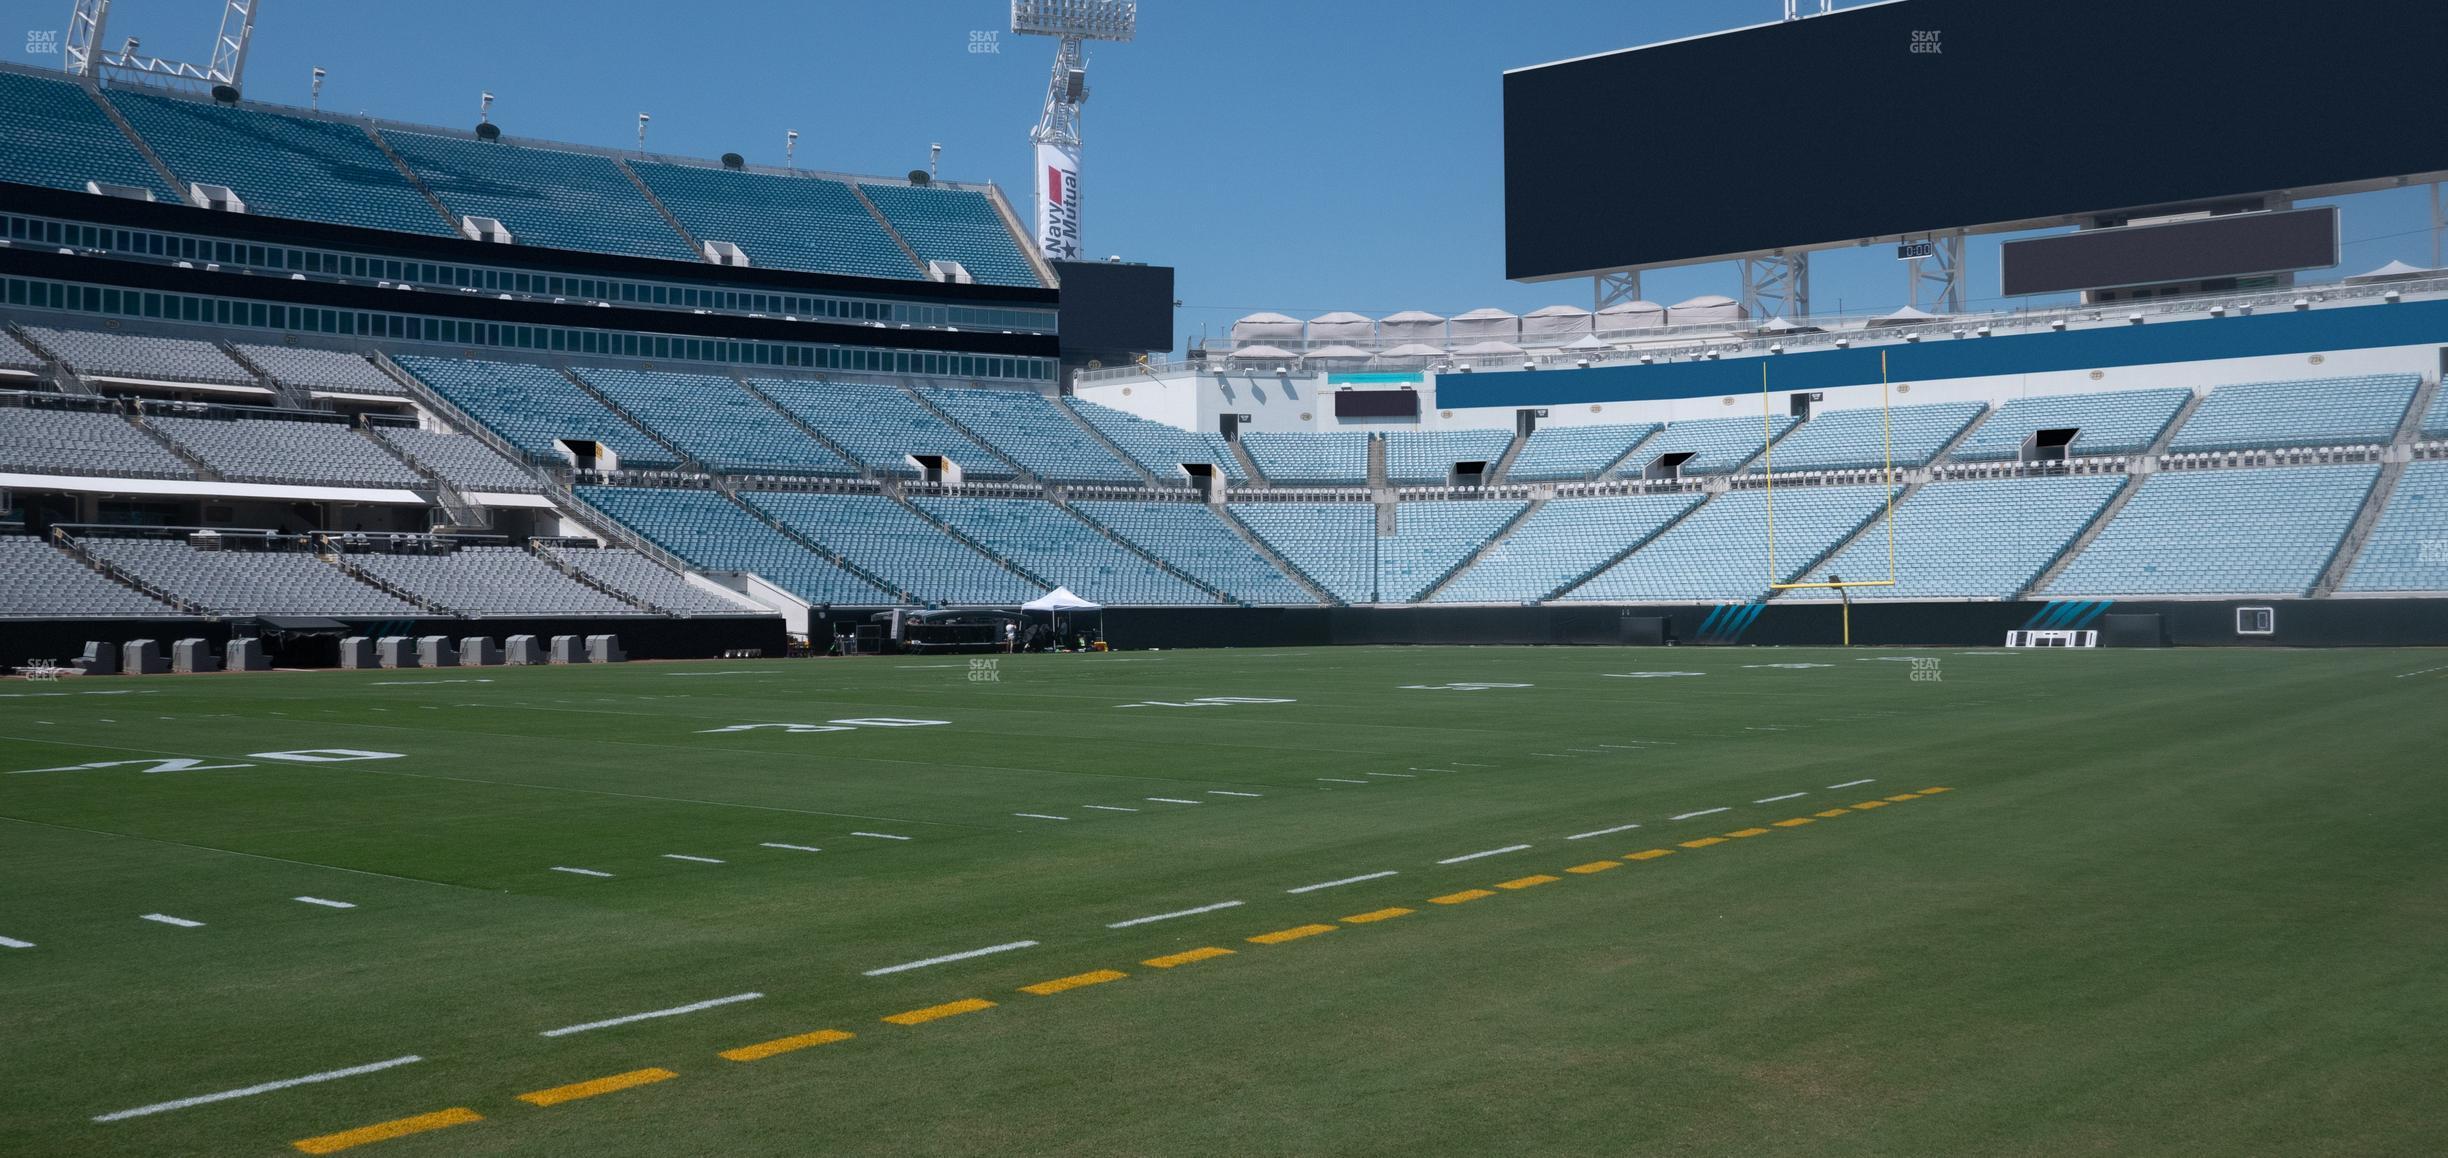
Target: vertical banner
point(1058, 217)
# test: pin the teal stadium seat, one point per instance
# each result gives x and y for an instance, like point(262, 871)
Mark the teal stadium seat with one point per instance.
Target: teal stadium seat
point(1716, 445)
point(1562, 543)
point(954, 225)
point(1869, 438)
point(1574, 452)
point(1160, 448)
point(891, 542)
point(1030, 430)
point(544, 197)
point(2117, 422)
point(880, 425)
point(713, 420)
point(805, 223)
point(1192, 538)
point(711, 533)
point(1720, 552)
point(533, 406)
point(2307, 412)
point(2264, 531)
point(1982, 539)
point(57, 137)
point(1055, 545)
point(2408, 547)
point(282, 165)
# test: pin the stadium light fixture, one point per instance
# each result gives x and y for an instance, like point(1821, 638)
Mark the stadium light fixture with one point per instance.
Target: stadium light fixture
point(314, 95)
point(2057, 324)
point(2389, 297)
point(642, 119)
point(1057, 136)
point(2134, 317)
point(790, 149)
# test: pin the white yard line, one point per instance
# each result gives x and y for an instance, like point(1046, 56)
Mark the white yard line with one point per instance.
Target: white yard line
point(1702, 812)
point(1774, 799)
point(686, 857)
point(649, 1015)
point(1174, 800)
point(1344, 881)
point(559, 868)
point(14, 943)
point(1340, 780)
point(1221, 792)
point(1854, 783)
point(1040, 816)
point(1603, 832)
point(1170, 916)
point(1395, 775)
point(328, 904)
point(181, 922)
point(788, 847)
point(1109, 808)
point(1489, 852)
point(949, 957)
point(881, 835)
point(2425, 671)
point(265, 1088)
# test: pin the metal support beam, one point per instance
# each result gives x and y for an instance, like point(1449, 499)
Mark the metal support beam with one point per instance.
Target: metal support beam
point(87, 56)
point(1611, 289)
point(1938, 278)
point(1776, 286)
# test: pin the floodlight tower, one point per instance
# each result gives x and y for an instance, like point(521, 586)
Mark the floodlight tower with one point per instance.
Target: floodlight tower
point(225, 76)
point(1073, 23)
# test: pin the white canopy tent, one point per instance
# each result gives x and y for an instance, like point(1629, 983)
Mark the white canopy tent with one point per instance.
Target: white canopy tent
point(2393, 271)
point(1341, 326)
point(1061, 605)
point(1705, 309)
point(1640, 315)
point(1412, 326)
point(1266, 328)
point(1560, 323)
point(1487, 324)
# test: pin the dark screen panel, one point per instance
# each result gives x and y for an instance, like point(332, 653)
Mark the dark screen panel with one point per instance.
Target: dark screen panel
point(1849, 126)
point(2233, 246)
point(1112, 306)
point(1376, 403)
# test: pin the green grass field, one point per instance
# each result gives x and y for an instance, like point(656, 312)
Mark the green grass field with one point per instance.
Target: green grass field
point(2190, 902)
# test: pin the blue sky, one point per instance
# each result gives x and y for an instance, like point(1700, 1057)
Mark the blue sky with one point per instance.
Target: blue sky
point(1283, 155)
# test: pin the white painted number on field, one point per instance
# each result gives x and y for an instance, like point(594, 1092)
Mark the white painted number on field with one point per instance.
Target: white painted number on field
point(1207, 702)
point(850, 725)
point(1460, 687)
point(194, 764)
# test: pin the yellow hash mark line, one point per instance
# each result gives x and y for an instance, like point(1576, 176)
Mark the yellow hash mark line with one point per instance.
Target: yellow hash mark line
point(1075, 981)
point(1796, 822)
point(782, 1045)
point(385, 1131)
point(1905, 796)
point(576, 1090)
point(1377, 915)
point(1830, 814)
point(1295, 933)
point(1935, 791)
point(1650, 854)
point(1460, 897)
point(1185, 958)
point(947, 1009)
point(1743, 832)
point(1704, 842)
point(1528, 882)
point(1867, 805)
point(1596, 866)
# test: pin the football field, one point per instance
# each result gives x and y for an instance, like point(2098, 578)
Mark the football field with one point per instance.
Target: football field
point(1355, 901)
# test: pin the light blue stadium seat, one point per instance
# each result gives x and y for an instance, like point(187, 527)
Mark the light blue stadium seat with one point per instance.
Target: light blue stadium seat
point(1192, 538)
point(2306, 412)
point(1160, 448)
point(1561, 543)
point(1575, 452)
point(717, 423)
point(2435, 418)
point(1720, 553)
point(1428, 456)
point(532, 406)
point(945, 224)
point(1717, 445)
point(1033, 432)
point(57, 137)
point(2267, 531)
point(880, 425)
point(1869, 438)
point(282, 165)
point(1337, 546)
point(544, 197)
point(1055, 545)
point(807, 223)
point(1301, 456)
point(888, 540)
point(712, 533)
point(2408, 547)
point(1981, 539)
point(2116, 422)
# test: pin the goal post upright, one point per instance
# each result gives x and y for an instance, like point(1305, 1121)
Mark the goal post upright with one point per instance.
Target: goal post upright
point(1768, 470)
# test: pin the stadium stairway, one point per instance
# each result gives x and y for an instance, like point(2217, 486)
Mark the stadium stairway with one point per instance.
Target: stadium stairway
point(1504, 463)
point(76, 548)
point(204, 470)
point(1115, 449)
point(1315, 589)
point(686, 460)
point(885, 223)
point(2359, 532)
point(669, 218)
point(1055, 497)
point(2107, 514)
point(1249, 466)
point(927, 404)
point(749, 384)
point(1621, 555)
point(408, 173)
point(144, 148)
point(284, 394)
point(1429, 593)
point(954, 533)
point(339, 561)
point(1917, 480)
point(63, 376)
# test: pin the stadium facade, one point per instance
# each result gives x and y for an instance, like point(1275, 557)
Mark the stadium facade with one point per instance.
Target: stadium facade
point(278, 374)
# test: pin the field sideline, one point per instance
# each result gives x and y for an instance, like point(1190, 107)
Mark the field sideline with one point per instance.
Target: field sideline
point(1691, 901)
